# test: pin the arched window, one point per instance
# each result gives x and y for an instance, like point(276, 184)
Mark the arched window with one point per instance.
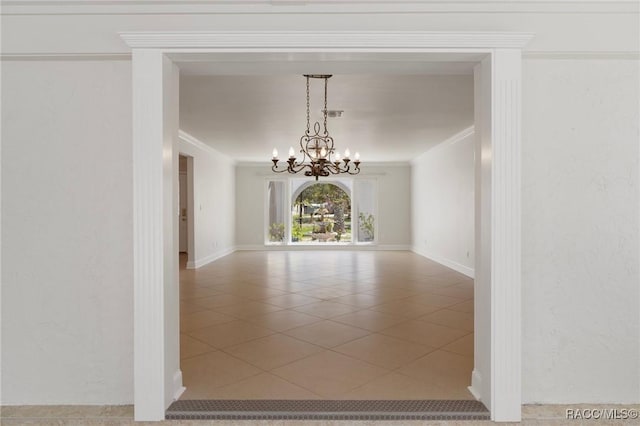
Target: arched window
point(337, 211)
point(321, 212)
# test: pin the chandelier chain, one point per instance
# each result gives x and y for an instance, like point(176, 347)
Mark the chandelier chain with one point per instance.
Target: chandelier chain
point(308, 113)
point(326, 132)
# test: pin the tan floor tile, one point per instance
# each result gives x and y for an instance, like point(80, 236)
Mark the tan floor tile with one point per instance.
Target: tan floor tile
point(191, 347)
point(290, 300)
point(188, 293)
point(218, 301)
point(370, 320)
point(261, 386)
point(325, 293)
point(273, 351)
point(457, 291)
point(399, 295)
point(462, 346)
point(442, 368)
point(326, 309)
point(453, 276)
point(390, 293)
point(449, 318)
point(329, 374)
point(424, 333)
point(466, 306)
point(326, 333)
point(383, 351)
point(248, 309)
point(189, 307)
point(255, 292)
point(283, 320)
point(398, 386)
point(291, 287)
point(436, 300)
point(213, 370)
point(230, 333)
point(404, 307)
point(360, 300)
point(202, 319)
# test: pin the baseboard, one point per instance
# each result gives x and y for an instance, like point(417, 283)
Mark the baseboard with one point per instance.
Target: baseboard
point(446, 262)
point(252, 247)
point(178, 389)
point(321, 246)
point(476, 385)
point(215, 256)
point(400, 247)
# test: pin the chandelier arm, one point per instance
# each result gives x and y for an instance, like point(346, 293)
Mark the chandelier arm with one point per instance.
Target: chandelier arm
point(355, 171)
point(274, 168)
point(297, 167)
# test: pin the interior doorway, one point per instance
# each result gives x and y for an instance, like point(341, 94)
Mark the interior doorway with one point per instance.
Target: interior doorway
point(184, 219)
point(496, 377)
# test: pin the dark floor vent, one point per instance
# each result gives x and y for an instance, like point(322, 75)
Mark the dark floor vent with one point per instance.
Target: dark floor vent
point(435, 409)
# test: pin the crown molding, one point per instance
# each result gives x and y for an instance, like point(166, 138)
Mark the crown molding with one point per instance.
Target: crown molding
point(160, 7)
point(65, 57)
point(581, 55)
point(447, 142)
point(310, 40)
point(197, 143)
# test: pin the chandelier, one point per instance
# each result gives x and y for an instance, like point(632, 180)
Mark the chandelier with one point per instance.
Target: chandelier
point(319, 158)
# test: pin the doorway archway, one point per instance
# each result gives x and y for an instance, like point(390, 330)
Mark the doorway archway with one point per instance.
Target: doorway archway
point(496, 378)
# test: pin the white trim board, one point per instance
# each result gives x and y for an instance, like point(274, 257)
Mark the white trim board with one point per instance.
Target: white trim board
point(449, 141)
point(323, 247)
point(197, 143)
point(265, 7)
point(337, 41)
point(198, 263)
point(469, 272)
point(178, 389)
point(498, 264)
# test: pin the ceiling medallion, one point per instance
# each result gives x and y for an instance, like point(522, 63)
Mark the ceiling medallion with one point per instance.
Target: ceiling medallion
point(319, 158)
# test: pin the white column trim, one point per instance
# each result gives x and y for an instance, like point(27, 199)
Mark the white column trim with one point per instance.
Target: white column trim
point(174, 41)
point(504, 377)
point(506, 241)
point(148, 225)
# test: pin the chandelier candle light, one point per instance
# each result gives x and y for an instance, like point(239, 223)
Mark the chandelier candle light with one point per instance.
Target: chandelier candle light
point(319, 158)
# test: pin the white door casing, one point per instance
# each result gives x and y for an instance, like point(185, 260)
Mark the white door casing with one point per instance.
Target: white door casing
point(496, 378)
point(183, 216)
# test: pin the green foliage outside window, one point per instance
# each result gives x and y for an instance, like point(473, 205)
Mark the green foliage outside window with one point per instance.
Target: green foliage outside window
point(367, 226)
point(276, 232)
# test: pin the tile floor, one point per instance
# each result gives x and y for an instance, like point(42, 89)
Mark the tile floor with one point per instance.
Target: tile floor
point(325, 325)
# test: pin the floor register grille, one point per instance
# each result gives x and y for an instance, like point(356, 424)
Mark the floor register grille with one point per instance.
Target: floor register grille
point(327, 410)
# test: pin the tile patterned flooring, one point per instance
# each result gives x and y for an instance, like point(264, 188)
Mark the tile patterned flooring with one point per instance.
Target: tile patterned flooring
point(325, 325)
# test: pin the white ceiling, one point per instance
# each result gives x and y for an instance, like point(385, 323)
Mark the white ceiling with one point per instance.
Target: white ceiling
point(387, 117)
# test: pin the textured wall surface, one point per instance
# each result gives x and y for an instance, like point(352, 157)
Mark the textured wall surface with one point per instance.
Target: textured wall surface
point(581, 322)
point(67, 295)
point(67, 326)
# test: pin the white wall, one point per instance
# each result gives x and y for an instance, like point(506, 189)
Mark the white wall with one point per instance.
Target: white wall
point(214, 193)
point(394, 198)
point(66, 188)
point(67, 283)
point(442, 204)
point(580, 231)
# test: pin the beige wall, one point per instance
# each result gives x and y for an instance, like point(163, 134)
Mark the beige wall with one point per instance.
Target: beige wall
point(394, 204)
